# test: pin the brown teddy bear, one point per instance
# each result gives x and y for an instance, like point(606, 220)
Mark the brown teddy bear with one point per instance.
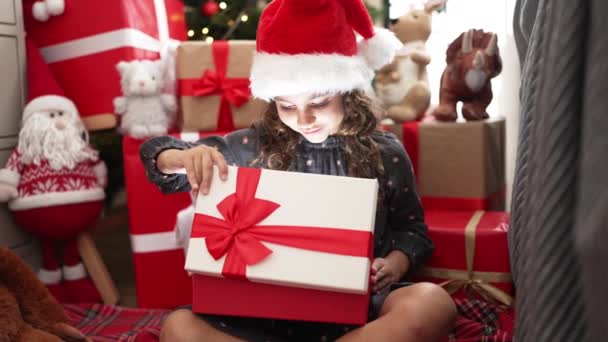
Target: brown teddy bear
point(472, 61)
point(28, 312)
point(403, 86)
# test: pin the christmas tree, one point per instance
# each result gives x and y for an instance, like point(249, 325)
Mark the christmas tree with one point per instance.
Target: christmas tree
point(231, 19)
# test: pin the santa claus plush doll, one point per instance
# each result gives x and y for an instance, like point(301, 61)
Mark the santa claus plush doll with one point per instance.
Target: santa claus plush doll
point(53, 182)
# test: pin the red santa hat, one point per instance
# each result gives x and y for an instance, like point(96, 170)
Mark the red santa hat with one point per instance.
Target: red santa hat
point(44, 93)
point(310, 46)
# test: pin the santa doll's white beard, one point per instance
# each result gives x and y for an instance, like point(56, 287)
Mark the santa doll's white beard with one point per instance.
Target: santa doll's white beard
point(39, 139)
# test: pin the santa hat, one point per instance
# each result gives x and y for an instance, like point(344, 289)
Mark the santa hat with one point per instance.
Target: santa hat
point(43, 91)
point(310, 46)
point(43, 10)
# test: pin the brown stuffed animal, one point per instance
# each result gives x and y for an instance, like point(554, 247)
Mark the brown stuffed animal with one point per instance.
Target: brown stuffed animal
point(28, 312)
point(403, 85)
point(472, 60)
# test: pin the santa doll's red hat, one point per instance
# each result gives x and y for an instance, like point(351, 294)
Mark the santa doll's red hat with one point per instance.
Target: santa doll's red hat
point(310, 46)
point(44, 93)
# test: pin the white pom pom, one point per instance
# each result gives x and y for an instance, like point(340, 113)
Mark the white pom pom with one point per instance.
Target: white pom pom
point(380, 49)
point(55, 7)
point(39, 11)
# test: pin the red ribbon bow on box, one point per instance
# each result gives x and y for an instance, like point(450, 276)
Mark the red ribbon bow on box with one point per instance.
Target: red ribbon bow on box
point(233, 91)
point(239, 237)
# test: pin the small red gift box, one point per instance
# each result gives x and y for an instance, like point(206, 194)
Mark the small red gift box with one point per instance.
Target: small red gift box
point(157, 254)
point(471, 254)
point(84, 44)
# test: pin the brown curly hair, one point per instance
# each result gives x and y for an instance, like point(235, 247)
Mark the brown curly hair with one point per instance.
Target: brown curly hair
point(279, 142)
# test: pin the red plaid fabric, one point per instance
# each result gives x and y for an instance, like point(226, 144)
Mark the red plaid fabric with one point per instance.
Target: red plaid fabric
point(105, 323)
point(477, 322)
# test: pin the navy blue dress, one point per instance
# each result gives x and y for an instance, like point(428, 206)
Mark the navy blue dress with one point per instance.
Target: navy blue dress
point(399, 217)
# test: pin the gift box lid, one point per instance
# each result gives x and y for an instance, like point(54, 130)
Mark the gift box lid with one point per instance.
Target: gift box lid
point(321, 228)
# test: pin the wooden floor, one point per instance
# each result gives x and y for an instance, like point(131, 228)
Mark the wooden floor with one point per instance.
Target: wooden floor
point(111, 235)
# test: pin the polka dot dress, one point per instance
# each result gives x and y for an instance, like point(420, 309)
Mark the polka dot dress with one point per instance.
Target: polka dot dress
point(399, 216)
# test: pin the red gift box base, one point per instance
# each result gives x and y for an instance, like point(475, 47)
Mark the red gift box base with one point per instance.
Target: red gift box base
point(233, 297)
point(161, 281)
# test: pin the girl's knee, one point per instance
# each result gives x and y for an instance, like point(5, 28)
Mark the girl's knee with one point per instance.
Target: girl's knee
point(427, 310)
point(180, 325)
point(437, 301)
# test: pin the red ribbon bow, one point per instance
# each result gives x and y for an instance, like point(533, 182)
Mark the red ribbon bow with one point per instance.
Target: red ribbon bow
point(239, 237)
point(233, 91)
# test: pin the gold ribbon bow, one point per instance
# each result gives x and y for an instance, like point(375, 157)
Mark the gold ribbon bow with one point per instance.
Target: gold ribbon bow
point(470, 280)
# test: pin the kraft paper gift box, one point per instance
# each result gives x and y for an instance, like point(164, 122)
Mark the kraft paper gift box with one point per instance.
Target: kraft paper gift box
point(213, 86)
point(458, 165)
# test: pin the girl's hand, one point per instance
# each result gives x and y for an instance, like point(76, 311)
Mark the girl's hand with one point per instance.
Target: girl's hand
point(389, 270)
point(198, 163)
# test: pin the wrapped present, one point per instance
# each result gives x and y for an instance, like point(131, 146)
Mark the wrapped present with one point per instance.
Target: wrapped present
point(84, 44)
point(458, 166)
point(213, 82)
point(283, 245)
point(157, 253)
point(471, 254)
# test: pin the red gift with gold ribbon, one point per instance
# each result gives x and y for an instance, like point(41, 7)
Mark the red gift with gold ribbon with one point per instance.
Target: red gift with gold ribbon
point(283, 245)
point(458, 165)
point(213, 85)
point(471, 255)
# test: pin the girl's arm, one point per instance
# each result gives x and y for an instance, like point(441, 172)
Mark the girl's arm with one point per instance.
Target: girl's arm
point(170, 181)
point(166, 159)
point(407, 231)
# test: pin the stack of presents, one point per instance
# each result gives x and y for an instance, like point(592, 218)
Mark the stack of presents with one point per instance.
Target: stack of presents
point(459, 167)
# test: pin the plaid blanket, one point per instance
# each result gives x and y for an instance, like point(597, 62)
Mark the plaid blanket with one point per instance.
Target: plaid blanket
point(477, 322)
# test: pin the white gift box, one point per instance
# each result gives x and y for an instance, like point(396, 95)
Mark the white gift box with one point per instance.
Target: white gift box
point(345, 204)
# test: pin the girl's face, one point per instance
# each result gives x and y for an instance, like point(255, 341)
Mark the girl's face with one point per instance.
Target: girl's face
point(314, 116)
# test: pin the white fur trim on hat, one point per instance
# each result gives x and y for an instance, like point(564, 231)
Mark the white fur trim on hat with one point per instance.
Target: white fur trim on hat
point(74, 272)
point(49, 276)
point(282, 75)
point(55, 7)
point(49, 102)
point(39, 11)
point(56, 198)
point(9, 177)
point(380, 49)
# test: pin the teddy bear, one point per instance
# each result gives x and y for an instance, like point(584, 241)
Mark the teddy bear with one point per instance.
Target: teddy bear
point(144, 109)
point(473, 59)
point(28, 312)
point(402, 86)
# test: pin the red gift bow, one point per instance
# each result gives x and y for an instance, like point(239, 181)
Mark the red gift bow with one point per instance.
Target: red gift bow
point(233, 91)
point(239, 238)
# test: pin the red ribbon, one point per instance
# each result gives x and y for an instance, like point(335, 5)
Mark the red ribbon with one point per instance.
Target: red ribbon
point(411, 138)
point(233, 91)
point(239, 237)
point(495, 201)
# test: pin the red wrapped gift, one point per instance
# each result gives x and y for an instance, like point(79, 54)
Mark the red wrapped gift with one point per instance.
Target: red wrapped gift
point(84, 44)
point(471, 254)
point(152, 218)
point(283, 245)
point(458, 166)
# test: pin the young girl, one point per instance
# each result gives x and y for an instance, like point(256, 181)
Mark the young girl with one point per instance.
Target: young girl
point(320, 121)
